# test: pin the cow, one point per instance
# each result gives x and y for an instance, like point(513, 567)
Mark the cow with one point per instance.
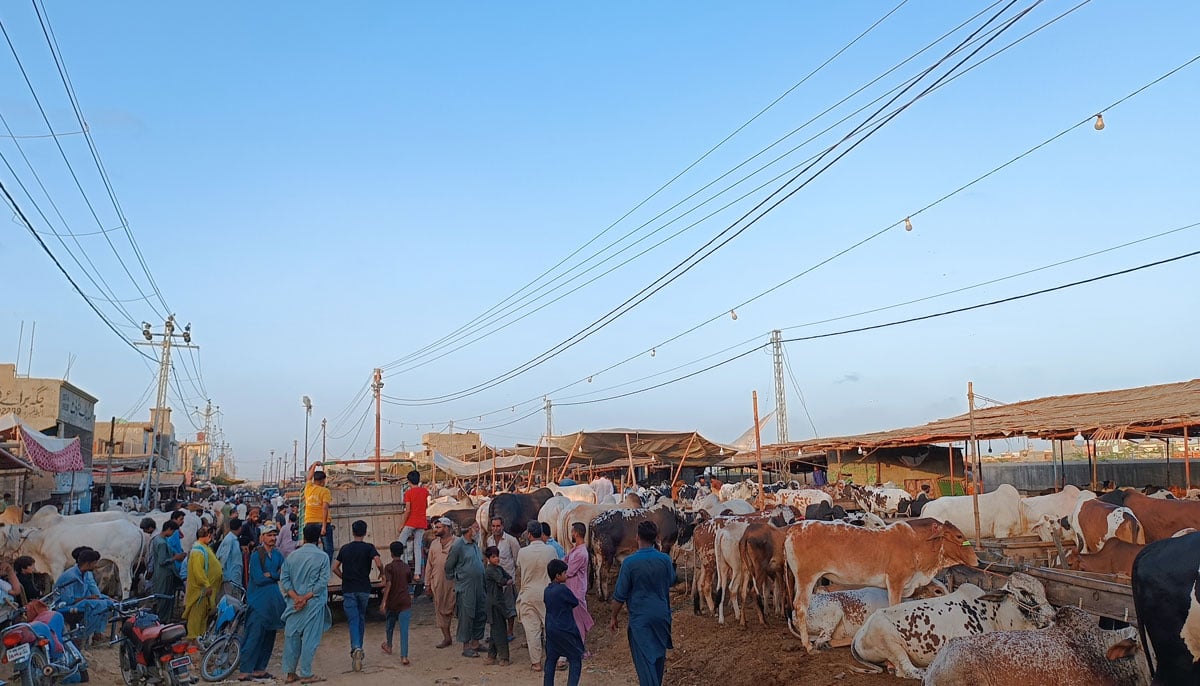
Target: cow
point(1159, 518)
point(1050, 508)
point(824, 512)
point(463, 518)
point(1073, 652)
point(1166, 595)
point(50, 547)
point(746, 490)
point(764, 568)
point(909, 635)
point(703, 549)
point(581, 493)
point(886, 502)
point(730, 572)
point(900, 558)
point(1095, 521)
point(552, 511)
point(798, 498)
point(518, 509)
point(736, 506)
point(1116, 557)
point(614, 537)
point(834, 617)
point(999, 512)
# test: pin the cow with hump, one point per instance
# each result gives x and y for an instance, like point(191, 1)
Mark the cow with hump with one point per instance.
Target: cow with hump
point(614, 537)
point(1166, 595)
point(899, 558)
point(910, 635)
point(1073, 652)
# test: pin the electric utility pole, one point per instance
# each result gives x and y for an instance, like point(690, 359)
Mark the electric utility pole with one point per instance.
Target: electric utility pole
point(378, 388)
point(322, 445)
point(549, 423)
point(781, 420)
point(160, 407)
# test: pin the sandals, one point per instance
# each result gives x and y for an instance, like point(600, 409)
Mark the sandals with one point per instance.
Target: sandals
point(444, 644)
point(404, 661)
point(387, 649)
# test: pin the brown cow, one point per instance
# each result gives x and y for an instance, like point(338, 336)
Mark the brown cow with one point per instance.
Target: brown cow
point(704, 548)
point(1160, 519)
point(1095, 521)
point(763, 566)
point(900, 558)
point(1116, 557)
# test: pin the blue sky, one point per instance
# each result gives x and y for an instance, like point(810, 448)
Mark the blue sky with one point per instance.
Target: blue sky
point(320, 192)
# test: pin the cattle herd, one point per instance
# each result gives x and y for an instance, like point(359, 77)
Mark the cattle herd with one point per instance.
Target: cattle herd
point(872, 579)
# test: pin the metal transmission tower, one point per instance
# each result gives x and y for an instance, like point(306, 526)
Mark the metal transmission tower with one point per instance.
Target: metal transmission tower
point(208, 440)
point(781, 421)
point(160, 406)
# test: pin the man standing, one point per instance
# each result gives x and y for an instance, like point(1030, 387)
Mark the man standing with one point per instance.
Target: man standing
point(549, 540)
point(230, 553)
point(464, 565)
point(287, 535)
point(602, 487)
point(440, 587)
point(164, 570)
point(176, 541)
point(317, 500)
point(353, 567)
point(78, 591)
point(264, 602)
point(644, 584)
point(250, 529)
point(412, 535)
point(577, 578)
point(531, 584)
point(305, 581)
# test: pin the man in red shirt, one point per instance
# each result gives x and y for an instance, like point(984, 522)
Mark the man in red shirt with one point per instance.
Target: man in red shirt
point(416, 501)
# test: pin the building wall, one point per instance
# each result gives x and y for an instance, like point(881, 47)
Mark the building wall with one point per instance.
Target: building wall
point(452, 445)
point(52, 406)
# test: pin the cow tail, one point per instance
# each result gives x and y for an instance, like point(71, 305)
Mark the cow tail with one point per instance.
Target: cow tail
point(873, 668)
point(1146, 648)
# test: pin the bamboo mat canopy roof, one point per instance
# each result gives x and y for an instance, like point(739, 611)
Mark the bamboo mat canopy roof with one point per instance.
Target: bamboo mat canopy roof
point(1162, 410)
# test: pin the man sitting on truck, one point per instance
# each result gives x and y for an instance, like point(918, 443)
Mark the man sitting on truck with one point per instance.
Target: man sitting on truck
point(317, 500)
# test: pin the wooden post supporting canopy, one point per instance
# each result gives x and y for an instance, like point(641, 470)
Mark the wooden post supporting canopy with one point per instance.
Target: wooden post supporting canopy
point(976, 467)
point(1187, 462)
point(757, 450)
point(629, 452)
point(679, 469)
point(574, 446)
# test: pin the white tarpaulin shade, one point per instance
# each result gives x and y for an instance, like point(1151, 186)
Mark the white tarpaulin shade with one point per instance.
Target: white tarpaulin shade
point(461, 468)
point(50, 443)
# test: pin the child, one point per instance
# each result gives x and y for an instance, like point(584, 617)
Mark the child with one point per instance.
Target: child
point(397, 601)
point(496, 581)
point(562, 634)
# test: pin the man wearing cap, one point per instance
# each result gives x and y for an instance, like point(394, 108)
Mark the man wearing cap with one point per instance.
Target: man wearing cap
point(265, 606)
point(317, 500)
point(441, 589)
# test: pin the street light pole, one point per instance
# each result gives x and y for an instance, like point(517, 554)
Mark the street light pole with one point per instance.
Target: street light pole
point(307, 402)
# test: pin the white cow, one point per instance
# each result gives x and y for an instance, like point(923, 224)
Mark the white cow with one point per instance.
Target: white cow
point(999, 512)
point(1038, 509)
point(552, 511)
point(834, 618)
point(581, 493)
point(730, 571)
point(50, 546)
point(910, 634)
point(746, 490)
point(881, 500)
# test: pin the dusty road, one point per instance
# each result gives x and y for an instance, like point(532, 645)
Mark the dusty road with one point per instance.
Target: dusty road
point(705, 654)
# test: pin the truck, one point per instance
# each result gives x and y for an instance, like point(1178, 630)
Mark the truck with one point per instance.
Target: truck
point(381, 508)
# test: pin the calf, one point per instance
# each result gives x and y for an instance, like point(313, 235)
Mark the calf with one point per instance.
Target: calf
point(834, 618)
point(900, 558)
point(1166, 595)
point(1095, 521)
point(886, 502)
point(614, 537)
point(1074, 652)
point(1116, 557)
point(910, 635)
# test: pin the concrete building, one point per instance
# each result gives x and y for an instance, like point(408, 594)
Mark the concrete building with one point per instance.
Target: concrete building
point(451, 445)
point(53, 406)
point(133, 443)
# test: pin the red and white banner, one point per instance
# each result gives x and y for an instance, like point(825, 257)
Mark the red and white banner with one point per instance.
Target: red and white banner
point(69, 459)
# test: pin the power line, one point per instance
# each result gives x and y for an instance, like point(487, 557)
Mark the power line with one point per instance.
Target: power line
point(787, 363)
point(658, 191)
point(709, 248)
point(524, 302)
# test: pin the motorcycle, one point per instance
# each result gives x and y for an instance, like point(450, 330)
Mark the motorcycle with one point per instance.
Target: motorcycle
point(29, 648)
point(220, 644)
point(151, 652)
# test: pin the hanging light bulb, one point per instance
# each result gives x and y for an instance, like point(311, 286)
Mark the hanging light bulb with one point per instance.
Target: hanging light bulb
point(1099, 125)
point(733, 315)
point(589, 379)
point(653, 351)
point(908, 224)
point(1079, 439)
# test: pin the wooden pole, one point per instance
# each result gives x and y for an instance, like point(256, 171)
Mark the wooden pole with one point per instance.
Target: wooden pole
point(757, 449)
point(975, 459)
point(1091, 450)
point(533, 466)
point(629, 452)
point(574, 446)
point(493, 471)
point(1187, 462)
point(688, 449)
point(951, 471)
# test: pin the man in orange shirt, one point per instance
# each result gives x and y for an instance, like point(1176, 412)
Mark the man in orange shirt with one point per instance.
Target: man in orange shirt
point(416, 502)
point(317, 501)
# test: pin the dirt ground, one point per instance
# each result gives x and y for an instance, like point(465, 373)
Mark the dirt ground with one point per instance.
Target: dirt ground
point(705, 654)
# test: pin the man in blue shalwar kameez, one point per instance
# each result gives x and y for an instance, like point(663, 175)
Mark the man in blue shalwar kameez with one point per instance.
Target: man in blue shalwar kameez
point(78, 591)
point(644, 584)
point(266, 606)
point(305, 582)
point(230, 554)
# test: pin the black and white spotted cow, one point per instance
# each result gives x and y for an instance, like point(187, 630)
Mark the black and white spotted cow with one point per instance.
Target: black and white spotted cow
point(909, 635)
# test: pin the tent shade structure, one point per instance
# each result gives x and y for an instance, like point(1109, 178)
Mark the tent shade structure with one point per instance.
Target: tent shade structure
point(600, 448)
point(1161, 410)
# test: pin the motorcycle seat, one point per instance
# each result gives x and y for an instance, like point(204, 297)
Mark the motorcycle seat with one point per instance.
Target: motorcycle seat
point(160, 633)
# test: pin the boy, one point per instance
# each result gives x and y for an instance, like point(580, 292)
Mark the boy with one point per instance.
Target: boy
point(562, 634)
point(496, 582)
point(397, 601)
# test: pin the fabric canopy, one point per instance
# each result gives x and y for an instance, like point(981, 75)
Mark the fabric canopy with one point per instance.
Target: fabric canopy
point(463, 468)
point(11, 421)
point(664, 447)
point(66, 459)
